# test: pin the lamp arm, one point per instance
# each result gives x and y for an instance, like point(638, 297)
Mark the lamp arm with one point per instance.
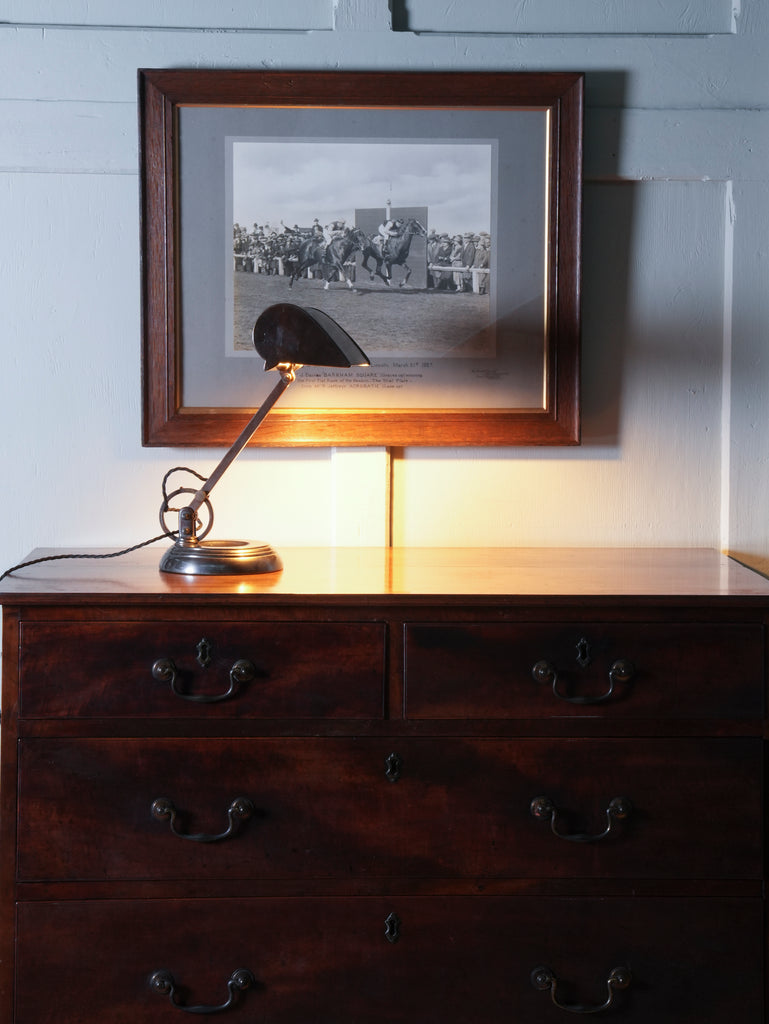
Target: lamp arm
point(287, 376)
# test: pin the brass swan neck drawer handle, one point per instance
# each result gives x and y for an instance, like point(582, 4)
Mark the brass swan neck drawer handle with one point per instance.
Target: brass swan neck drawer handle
point(542, 978)
point(164, 984)
point(542, 808)
point(621, 671)
point(165, 671)
point(239, 810)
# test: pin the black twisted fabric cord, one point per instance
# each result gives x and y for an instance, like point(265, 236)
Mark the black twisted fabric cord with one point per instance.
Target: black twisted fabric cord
point(124, 551)
point(56, 558)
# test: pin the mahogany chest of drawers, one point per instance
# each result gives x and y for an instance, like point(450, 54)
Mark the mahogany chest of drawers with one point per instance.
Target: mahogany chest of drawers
point(385, 787)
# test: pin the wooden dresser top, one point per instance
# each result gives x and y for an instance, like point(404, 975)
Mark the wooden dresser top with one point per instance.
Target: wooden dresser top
point(399, 573)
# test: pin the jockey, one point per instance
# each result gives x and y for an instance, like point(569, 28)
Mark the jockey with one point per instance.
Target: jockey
point(389, 229)
point(334, 230)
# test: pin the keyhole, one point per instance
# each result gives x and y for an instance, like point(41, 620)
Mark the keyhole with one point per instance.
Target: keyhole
point(392, 928)
point(204, 653)
point(393, 765)
point(583, 653)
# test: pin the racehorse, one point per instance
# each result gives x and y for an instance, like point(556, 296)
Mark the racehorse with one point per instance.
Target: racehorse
point(329, 256)
point(396, 255)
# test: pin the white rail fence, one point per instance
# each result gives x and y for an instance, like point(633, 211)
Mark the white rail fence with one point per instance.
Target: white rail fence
point(479, 275)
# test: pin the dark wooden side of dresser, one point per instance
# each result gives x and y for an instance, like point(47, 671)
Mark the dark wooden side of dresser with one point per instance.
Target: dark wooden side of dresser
point(386, 808)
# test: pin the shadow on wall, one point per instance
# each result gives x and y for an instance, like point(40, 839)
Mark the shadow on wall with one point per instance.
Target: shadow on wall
point(607, 234)
point(400, 15)
point(608, 226)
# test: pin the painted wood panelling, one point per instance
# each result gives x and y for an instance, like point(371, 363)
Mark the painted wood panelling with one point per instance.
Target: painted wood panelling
point(649, 465)
point(658, 72)
point(242, 15)
point(577, 17)
point(93, 137)
point(675, 296)
point(44, 136)
point(746, 522)
point(688, 144)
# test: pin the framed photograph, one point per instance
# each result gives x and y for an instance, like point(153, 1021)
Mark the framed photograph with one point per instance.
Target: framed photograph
point(434, 215)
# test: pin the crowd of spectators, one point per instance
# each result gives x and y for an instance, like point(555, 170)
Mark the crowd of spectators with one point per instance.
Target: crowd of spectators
point(267, 250)
point(469, 251)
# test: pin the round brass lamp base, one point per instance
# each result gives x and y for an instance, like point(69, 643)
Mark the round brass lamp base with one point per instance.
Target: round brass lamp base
point(220, 558)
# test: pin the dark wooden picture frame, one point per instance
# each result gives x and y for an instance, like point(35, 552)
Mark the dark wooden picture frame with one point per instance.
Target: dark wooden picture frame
point(167, 421)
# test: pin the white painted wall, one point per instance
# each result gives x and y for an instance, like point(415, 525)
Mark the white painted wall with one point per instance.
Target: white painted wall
point(676, 306)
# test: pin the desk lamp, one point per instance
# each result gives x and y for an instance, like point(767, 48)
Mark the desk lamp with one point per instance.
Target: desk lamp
point(287, 337)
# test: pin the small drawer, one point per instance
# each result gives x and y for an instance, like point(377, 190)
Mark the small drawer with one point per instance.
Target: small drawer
point(617, 670)
point(173, 669)
point(451, 959)
point(273, 808)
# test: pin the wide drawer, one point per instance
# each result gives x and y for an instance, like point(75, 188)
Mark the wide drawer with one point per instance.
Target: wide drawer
point(161, 669)
point(630, 670)
point(430, 959)
point(408, 807)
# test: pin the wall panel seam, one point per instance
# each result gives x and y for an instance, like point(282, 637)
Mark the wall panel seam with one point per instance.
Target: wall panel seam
point(199, 29)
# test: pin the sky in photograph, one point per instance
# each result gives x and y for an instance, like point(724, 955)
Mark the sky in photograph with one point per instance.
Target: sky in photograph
point(296, 181)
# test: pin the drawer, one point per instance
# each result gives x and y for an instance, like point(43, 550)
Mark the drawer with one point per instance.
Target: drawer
point(409, 807)
point(435, 960)
point(618, 670)
point(162, 669)
point(316, 809)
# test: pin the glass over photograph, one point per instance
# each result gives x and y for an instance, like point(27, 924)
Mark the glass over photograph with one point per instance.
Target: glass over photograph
point(397, 235)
